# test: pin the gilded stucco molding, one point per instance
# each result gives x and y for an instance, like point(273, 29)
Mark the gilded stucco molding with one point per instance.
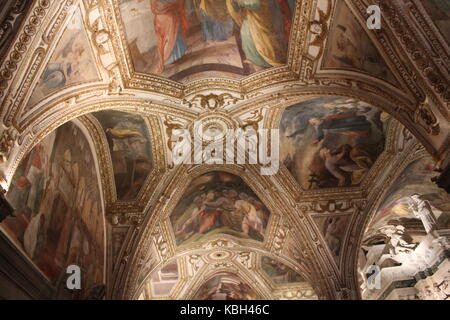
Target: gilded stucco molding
point(196, 263)
point(11, 17)
point(400, 32)
point(29, 53)
point(439, 48)
point(292, 235)
point(274, 184)
point(240, 97)
point(406, 151)
point(162, 211)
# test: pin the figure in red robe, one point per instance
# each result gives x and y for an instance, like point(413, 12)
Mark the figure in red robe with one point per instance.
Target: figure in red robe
point(171, 26)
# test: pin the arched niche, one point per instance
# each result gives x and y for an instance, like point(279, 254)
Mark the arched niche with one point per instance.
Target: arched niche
point(58, 217)
point(403, 240)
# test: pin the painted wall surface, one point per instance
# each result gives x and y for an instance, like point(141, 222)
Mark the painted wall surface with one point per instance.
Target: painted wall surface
point(58, 218)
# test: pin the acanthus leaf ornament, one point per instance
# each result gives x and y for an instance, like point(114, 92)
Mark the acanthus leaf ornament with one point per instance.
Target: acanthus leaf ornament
point(319, 28)
point(212, 101)
point(244, 258)
point(253, 121)
point(161, 243)
point(196, 262)
point(7, 142)
point(172, 124)
point(427, 119)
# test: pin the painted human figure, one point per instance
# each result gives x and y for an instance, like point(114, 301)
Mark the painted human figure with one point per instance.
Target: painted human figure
point(209, 214)
point(36, 191)
point(204, 215)
point(333, 234)
point(261, 209)
point(191, 224)
point(262, 31)
point(171, 26)
point(251, 219)
point(63, 222)
point(217, 24)
point(339, 163)
point(225, 204)
point(72, 63)
point(422, 209)
point(287, 8)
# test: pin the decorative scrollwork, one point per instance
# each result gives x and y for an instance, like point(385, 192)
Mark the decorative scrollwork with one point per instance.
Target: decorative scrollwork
point(253, 121)
point(7, 142)
point(212, 101)
point(426, 118)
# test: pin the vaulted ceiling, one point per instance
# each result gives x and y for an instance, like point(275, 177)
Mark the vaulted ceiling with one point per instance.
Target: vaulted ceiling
point(91, 92)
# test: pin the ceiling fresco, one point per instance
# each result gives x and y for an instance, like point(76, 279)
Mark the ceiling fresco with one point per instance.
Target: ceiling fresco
point(226, 286)
point(71, 63)
point(86, 142)
point(439, 11)
point(206, 275)
point(219, 203)
point(330, 142)
point(333, 230)
point(129, 144)
point(279, 273)
point(184, 39)
point(58, 219)
point(396, 206)
point(349, 47)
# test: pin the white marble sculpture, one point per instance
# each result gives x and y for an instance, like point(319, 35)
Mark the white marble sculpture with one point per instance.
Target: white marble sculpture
point(423, 210)
point(397, 241)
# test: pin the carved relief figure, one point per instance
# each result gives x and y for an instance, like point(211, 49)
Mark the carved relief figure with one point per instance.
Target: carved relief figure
point(402, 203)
point(398, 240)
point(422, 209)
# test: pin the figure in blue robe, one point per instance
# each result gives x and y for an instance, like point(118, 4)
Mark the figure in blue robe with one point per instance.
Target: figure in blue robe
point(217, 24)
